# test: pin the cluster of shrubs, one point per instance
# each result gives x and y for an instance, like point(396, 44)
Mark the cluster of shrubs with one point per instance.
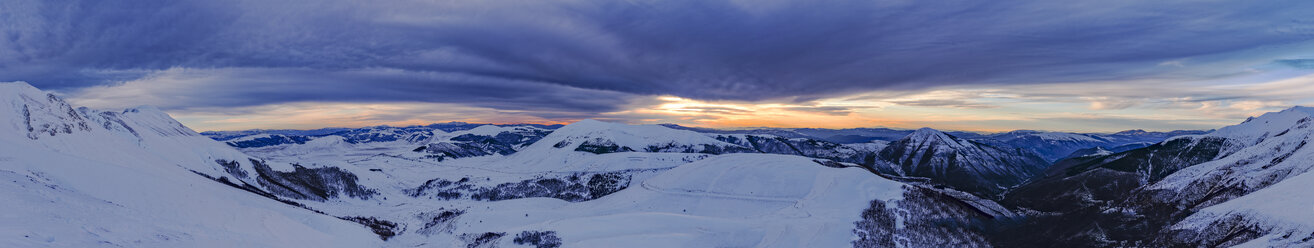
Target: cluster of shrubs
point(573, 188)
point(539, 239)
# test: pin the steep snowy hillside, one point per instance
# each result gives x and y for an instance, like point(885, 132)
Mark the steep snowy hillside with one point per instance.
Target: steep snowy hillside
point(967, 165)
point(1266, 153)
point(83, 178)
point(1202, 190)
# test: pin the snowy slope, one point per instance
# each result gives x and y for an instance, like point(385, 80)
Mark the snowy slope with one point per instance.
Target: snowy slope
point(1227, 187)
point(1254, 189)
point(80, 177)
point(1275, 216)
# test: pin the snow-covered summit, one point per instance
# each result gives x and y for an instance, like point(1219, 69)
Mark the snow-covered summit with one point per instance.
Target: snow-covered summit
point(35, 114)
point(928, 136)
point(1256, 129)
point(8, 89)
point(78, 177)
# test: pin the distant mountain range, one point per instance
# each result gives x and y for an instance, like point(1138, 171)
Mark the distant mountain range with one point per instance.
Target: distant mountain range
point(79, 177)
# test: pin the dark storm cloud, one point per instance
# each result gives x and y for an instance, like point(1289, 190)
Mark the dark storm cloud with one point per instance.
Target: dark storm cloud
point(241, 87)
point(590, 56)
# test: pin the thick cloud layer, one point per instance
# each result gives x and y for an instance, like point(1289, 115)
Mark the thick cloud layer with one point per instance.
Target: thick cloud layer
point(591, 56)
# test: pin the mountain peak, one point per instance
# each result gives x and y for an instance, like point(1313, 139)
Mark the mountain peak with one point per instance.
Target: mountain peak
point(38, 114)
point(926, 130)
point(927, 134)
point(1271, 124)
point(16, 91)
point(1306, 110)
point(18, 86)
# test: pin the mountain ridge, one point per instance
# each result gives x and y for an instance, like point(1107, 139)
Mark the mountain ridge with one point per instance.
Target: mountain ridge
point(470, 185)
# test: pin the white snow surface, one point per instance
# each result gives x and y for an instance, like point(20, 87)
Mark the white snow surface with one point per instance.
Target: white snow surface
point(124, 180)
point(676, 200)
point(121, 179)
point(1285, 209)
point(1272, 159)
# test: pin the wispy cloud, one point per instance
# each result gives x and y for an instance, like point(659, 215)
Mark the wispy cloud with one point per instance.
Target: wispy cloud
point(951, 103)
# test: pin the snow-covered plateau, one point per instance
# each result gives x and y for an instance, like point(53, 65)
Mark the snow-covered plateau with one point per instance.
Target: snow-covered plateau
point(78, 177)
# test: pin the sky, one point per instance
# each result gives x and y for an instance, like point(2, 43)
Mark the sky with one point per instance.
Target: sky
point(1091, 66)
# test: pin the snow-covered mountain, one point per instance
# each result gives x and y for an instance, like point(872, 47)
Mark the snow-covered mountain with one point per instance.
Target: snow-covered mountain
point(1238, 184)
point(75, 177)
point(136, 177)
point(967, 165)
